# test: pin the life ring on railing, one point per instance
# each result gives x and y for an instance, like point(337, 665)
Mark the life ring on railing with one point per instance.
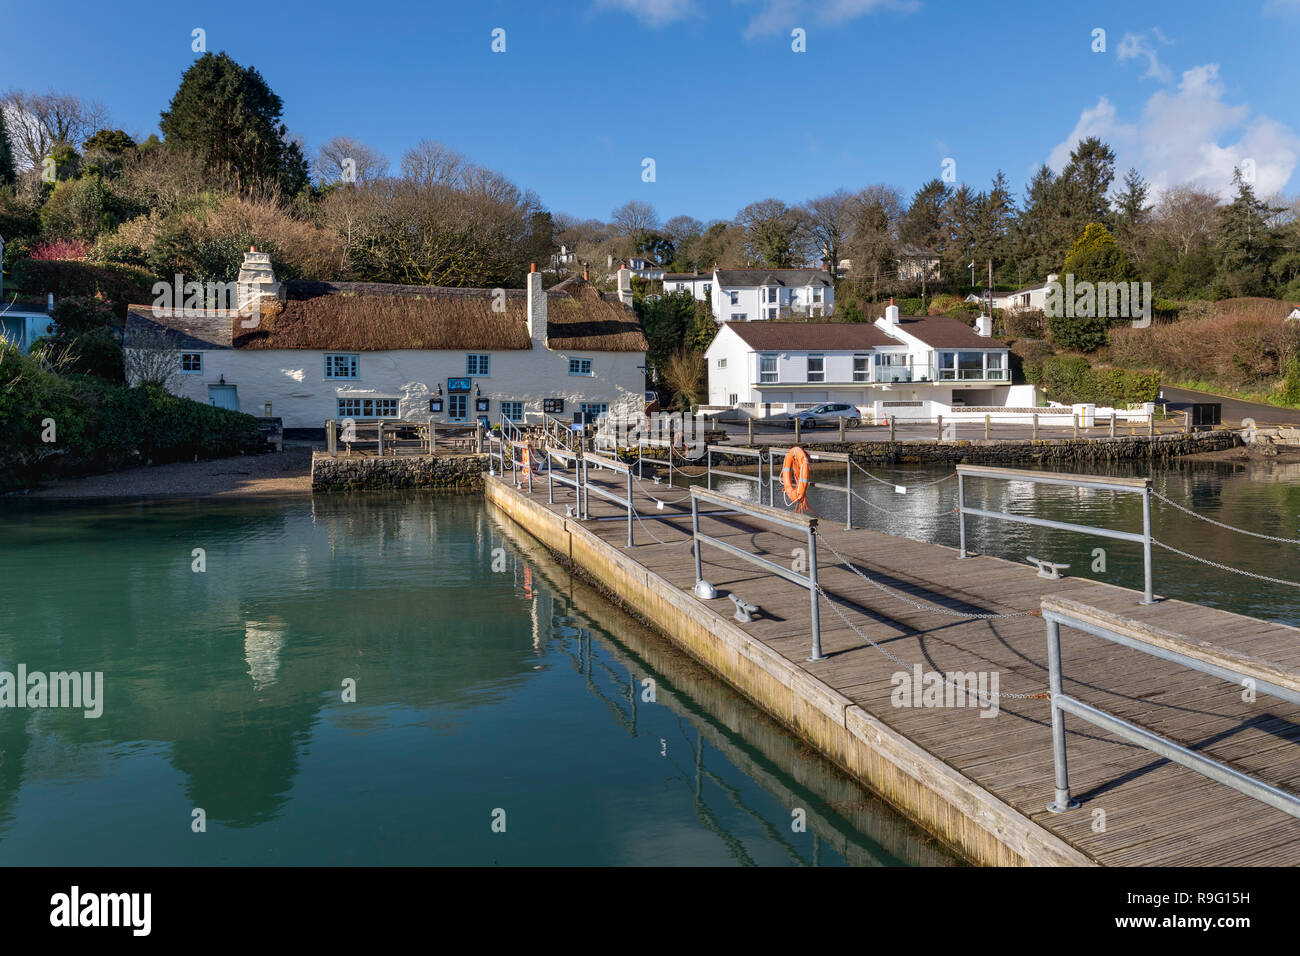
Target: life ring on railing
point(794, 478)
point(528, 455)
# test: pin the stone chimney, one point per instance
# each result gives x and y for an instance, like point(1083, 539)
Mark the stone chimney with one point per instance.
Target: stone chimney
point(536, 317)
point(984, 326)
point(891, 313)
point(1053, 277)
point(625, 285)
point(257, 280)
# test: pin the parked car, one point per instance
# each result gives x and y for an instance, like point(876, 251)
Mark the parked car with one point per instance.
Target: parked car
point(828, 415)
point(651, 402)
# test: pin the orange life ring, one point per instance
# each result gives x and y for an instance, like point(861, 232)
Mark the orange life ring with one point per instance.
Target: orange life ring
point(528, 456)
point(794, 478)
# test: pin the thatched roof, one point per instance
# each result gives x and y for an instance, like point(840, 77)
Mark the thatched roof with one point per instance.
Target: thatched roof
point(373, 317)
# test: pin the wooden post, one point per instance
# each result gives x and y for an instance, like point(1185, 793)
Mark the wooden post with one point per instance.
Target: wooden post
point(380, 429)
point(939, 420)
point(1035, 426)
point(988, 427)
point(749, 428)
point(841, 428)
point(331, 439)
point(1187, 422)
point(1112, 424)
point(1075, 418)
point(478, 437)
point(796, 429)
point(1151, 424)
point(433, 436)
point(891, 428)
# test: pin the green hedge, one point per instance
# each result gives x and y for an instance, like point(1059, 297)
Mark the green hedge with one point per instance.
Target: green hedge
point(1072, 378)
point(122, 285)
point(100, 426)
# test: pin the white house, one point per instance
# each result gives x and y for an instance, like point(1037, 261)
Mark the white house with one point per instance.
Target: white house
point(917, 262)
point(698, 284)
point(314, 351)
point(23, 323)
point(750, 295)
point(905, 368)
point(1030, 297)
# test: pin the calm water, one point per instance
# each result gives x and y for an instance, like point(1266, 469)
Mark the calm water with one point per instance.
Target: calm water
point(1263, 497)
point(477, 691)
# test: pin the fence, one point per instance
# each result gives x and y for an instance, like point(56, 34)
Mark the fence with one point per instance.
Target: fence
point(400, 437)
point(805, 523)
point(1140, 486)
point(847, 488)
point(1226, 665)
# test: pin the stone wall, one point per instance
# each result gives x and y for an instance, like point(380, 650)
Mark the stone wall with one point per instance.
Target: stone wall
point(999, 451)
point(442, 472)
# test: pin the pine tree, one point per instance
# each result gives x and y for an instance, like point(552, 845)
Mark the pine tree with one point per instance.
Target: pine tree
point(6, 154)
point(230, 118)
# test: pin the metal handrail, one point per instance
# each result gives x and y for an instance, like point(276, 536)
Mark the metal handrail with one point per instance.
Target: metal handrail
point(756, 453)
point(600, 461)
point(1058, 612)
point(800, 522)
point(1133, 485)
point(774, 452)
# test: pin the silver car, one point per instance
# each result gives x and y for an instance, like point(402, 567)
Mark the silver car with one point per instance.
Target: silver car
point(828, 415)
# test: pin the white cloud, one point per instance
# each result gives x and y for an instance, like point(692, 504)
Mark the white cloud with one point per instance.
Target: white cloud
point(1191, 136)
point(652, 13)
point(1282, 7)
point(782, 16)
point(1134, 45)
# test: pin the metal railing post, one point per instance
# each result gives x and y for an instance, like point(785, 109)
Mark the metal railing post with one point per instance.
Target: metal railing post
point(550, 480)
point(814, 592)
point(1062, 802)
point(629, 507)
point(961, 513)
point(848, 494)
point(708, 467)
point(695, 538)
point(381, 438)
point(1147, 596)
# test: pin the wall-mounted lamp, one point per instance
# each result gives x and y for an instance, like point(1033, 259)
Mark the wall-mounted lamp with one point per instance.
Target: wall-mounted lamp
point(440, 390)
point(222, 380)
point(477, 392)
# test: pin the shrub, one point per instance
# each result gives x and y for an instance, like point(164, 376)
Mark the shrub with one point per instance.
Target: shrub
point(81, 313)
point(1291, 382)
point(59, 249)
point(1072, 378)
point(910, 307)
point(1024, 323)
point(122, 285)
point(1031, 353)
point(1078, 333)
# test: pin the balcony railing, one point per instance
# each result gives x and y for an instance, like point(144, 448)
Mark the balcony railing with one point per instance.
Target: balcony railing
point(974, 375)
point(894, 374)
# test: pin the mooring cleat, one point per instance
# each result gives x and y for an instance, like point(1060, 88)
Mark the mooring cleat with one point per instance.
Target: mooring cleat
point(744, 610)
point(1046, 569)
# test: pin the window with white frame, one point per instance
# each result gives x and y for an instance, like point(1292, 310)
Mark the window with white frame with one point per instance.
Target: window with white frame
point(735, 398)
point(722, 363)
point(771, 294)
point(861, 368)
point(739, 316)
point(708, 286)
point(771, 313)
point(594, 410)
point(513, 410)
point(367, 408)
point(476, 365)
point(816, 368)
point(766, 368)
point(816, 295)
point(579, 366)
point(735, 298)
point(191, 362)
point(341, 365)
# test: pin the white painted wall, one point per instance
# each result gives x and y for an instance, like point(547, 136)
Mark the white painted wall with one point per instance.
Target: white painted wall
point(294, 382)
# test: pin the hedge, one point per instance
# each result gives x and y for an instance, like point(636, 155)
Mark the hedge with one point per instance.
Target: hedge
point(1072, 378)
point(100, 426)
point(123, 285)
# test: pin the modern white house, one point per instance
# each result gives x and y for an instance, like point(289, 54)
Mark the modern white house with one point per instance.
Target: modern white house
point(309, 352)
point(751, 295)
point(698, 284)
point(1030, 297)
point(907, 368)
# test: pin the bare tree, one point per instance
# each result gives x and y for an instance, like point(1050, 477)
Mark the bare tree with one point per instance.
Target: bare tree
point(348, 160)
point(152, 359)
point(1186, 218)
point(635, 219)
point(432, 164)
point(39, 122)
point(775, 233)
point(830, 222)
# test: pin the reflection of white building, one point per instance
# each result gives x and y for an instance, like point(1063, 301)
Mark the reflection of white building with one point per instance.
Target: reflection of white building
point(904, 367)
point(262, 644)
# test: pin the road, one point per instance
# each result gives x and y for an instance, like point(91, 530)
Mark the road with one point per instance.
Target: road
point(1234, 410)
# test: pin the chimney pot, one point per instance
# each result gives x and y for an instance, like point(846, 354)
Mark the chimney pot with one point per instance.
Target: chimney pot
point(533, 267)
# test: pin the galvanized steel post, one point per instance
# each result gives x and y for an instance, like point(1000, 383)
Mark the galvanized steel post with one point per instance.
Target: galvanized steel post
point(814, 592)
point(629, 506)
point(961, 513)
point(848, 493)
point(1147, 596)
point(695, 535)
point(1062, 775)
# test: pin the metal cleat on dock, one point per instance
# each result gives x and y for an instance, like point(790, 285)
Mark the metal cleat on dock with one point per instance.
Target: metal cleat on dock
point(1046, 569)
point(744, 610)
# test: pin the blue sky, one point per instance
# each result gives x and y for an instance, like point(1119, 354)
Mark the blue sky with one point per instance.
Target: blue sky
point(711, 89)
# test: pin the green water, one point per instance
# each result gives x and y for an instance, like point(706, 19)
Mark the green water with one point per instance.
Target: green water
point(486, 680)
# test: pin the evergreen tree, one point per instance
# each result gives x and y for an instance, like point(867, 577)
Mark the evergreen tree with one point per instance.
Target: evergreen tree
point(1244, 242)
point(995, 221)
point(6, 154)
point(1131, 204)
point(1096, 257)
point(923, 223)
point(230, 118)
